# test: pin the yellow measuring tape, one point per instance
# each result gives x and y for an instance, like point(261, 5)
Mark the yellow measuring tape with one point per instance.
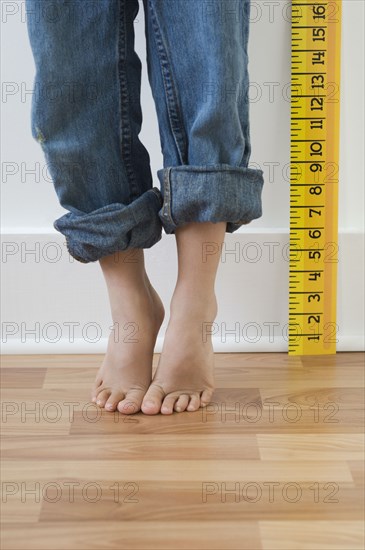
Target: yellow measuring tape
point(314, 172)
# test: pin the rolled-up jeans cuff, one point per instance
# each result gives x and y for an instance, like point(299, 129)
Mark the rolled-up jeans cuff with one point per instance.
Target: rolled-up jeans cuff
point(214, 193)
point(112, 228)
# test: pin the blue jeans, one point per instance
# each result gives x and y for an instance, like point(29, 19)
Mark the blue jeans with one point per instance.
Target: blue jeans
point(86, 115)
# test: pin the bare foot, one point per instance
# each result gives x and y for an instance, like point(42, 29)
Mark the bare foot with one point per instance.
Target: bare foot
point(184, 379)
point(126, 371)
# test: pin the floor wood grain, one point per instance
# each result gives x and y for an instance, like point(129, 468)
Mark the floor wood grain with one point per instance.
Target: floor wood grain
point(275, 462)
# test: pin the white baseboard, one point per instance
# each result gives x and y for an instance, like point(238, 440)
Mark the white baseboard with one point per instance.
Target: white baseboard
point(53, 304)
point(79, 346)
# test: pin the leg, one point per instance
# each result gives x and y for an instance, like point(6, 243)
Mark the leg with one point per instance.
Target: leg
point(198, 70)
point(137, 314)
point(86, 114)
point(184, 377)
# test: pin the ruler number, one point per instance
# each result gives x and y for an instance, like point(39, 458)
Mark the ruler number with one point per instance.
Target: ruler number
point(317, 77)
point(316, 149)
point(313, 254)
point(318, 33)
point(315, 167)
point(319, 12)
point(317, 296)
point(317, 100)
point(318, 212)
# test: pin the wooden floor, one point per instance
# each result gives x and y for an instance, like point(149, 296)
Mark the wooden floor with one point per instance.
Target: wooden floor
point(276, 462)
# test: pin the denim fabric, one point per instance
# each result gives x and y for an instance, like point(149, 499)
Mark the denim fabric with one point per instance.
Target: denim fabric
point(86, 115)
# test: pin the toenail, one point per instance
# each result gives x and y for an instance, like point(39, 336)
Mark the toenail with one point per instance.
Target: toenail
point(149, 403)
point(109, 406)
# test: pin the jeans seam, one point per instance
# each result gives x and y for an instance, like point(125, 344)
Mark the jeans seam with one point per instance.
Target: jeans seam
point(166, 207)
point(248, 132)
point(173, 108)
point(125, 123)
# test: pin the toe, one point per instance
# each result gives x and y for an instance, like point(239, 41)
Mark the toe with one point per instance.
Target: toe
point(152, 401)
point(194, 402)
point(206, 398)
point(131, 404)
point(182, 403)
point(168, 404)
point(96, 389)
point(103, 397)
point(113, 401)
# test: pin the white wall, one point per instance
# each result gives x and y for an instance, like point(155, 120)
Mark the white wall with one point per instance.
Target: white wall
point(253, 294)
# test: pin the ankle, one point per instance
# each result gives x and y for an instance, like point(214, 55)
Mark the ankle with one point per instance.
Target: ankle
point(194, 301)
point(202, 291)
